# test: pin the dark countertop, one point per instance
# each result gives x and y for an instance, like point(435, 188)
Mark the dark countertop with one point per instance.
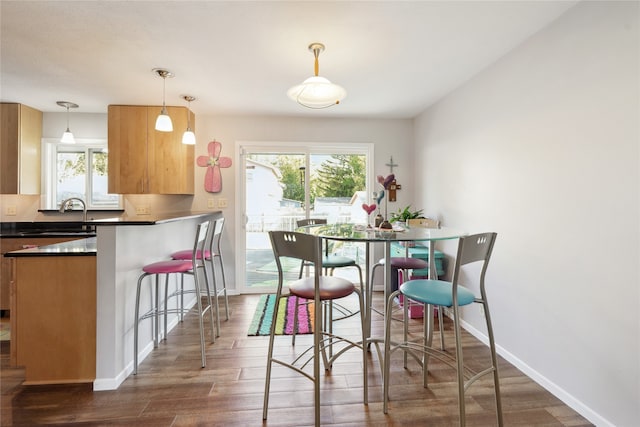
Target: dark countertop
point(88, 229)
point(151, 219)
point(81, 247)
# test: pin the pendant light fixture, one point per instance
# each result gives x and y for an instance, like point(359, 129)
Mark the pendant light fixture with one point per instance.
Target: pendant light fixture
point(67, 136)
point(188, 137)
point(163, 122)
point(317, 92)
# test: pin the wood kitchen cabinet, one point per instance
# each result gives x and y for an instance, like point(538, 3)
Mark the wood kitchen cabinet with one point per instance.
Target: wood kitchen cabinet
point(53, 318)
point(143, 160)
point(10, 244)
point(20, 139)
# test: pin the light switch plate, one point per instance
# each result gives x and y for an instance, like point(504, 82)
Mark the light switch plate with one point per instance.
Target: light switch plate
point(11, 210)
point(211, 203)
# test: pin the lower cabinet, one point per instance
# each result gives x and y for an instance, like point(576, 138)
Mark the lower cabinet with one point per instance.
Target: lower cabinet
point(10, 244)
point(53, 318)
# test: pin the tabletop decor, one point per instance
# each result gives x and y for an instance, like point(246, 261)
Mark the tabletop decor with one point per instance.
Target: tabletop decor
point(213, 162)
point(405, 214)
point(369, 209)
point(385, 182)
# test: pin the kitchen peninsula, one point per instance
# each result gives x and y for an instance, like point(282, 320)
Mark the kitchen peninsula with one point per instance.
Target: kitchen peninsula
point(113, 259)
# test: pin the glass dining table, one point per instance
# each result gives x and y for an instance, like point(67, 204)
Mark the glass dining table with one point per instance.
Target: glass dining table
point(358, 233)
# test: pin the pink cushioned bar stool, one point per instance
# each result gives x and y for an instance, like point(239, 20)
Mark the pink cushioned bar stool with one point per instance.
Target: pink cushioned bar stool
point(400, 266)
point(182, 267)
point(211, 253)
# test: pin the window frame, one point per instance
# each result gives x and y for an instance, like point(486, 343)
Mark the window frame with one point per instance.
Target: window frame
point(49, 171)
point(245, 147)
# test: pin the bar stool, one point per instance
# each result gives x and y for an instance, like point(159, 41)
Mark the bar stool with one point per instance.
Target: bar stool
point(329, 263)
point(211, 253)
point(471, 249)
point(400, 266)
point(182, 267)
point(319, 288)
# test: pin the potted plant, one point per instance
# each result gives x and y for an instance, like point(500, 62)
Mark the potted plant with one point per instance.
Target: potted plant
point(404, 214)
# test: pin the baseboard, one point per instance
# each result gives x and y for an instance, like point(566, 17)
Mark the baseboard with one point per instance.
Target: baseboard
point(543, 381)
point(102, 384)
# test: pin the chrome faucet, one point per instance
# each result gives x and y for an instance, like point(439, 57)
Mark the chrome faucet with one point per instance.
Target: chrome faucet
point(67, 204)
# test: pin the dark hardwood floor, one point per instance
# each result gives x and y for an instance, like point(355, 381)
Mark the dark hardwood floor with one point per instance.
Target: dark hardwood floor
point(172, 390)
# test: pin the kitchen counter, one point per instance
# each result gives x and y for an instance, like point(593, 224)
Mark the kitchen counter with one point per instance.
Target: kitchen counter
point(106, 261)
point(162, 218)
point(80, 247)
point(88, 229)
point(45, 229)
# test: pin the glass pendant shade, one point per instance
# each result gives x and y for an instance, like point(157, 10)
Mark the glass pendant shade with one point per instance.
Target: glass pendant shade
point(317, 92)
point(163, 122)
point(188, 137)
point(67, 137)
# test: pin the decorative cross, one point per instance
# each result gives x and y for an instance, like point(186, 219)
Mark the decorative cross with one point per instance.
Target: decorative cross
point(213, 162)
point(391, 164)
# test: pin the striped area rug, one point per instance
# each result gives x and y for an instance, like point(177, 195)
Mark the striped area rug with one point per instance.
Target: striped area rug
point(261, 322)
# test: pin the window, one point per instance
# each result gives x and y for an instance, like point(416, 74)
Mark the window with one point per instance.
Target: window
point(283, 182)
point(78, 170)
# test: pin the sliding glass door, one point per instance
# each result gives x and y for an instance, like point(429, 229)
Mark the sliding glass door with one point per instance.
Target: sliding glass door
point(281, 184)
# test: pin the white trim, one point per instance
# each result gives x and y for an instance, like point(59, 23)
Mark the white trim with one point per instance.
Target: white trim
point(543, 381)
point(48, 175)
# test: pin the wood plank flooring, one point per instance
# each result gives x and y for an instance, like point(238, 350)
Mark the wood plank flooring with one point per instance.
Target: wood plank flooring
point(172, 390)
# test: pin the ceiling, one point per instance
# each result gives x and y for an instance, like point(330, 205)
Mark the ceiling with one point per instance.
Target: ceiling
point(394, 58)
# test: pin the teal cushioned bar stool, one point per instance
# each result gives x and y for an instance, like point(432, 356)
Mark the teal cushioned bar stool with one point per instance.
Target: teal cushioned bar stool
point(471, 249)
point(329, 261)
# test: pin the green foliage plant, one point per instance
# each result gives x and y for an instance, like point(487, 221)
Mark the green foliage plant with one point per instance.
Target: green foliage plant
point(403, 214)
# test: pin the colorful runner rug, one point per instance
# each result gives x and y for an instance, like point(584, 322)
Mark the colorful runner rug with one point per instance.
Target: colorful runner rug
point(261, 323)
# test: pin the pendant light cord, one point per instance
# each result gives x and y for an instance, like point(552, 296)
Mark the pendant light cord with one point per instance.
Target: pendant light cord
point(188, 115)
point(164, 94)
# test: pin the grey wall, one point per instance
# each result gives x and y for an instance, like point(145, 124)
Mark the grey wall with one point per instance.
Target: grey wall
point(542, 147)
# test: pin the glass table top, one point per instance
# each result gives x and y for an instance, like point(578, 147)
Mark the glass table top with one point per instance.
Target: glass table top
point(360, 233)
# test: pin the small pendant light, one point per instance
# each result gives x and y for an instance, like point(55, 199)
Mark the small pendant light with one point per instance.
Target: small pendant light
point(188, 137)
point(163, 122)
point(67, 136)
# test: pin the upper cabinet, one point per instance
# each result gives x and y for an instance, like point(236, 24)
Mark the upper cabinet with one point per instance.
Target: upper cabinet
point(20, 141)
point(143, 160)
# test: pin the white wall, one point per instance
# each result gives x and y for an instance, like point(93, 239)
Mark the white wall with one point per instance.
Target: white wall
point(542, 147)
